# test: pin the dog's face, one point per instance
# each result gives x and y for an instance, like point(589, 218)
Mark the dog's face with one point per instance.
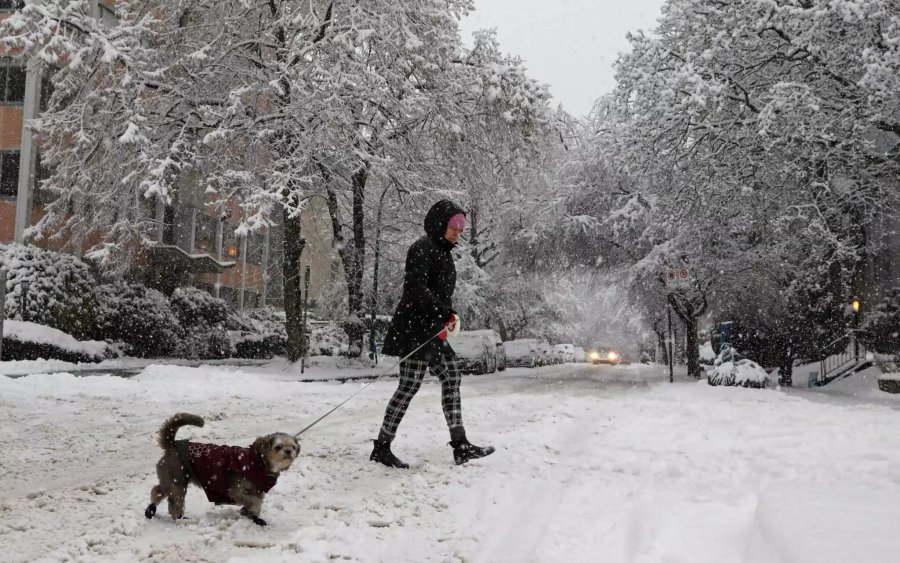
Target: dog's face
point(279, 450)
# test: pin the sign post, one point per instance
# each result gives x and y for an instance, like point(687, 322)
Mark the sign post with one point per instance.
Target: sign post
point(306, 339)
point(671, 348)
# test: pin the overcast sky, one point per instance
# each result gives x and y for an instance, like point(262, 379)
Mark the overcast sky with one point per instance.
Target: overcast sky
point(569, 44)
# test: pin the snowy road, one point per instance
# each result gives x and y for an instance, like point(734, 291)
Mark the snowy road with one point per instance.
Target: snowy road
point(593, 464)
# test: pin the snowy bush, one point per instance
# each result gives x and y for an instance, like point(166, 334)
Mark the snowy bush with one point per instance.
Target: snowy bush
point(326, 338)
point(202, 317)
point(30, 341)
point(195, 307)
point(730, 371)
point(882, 325)
point(138, 316)
point(204, 343)
point(56, 287)
point(257, 333)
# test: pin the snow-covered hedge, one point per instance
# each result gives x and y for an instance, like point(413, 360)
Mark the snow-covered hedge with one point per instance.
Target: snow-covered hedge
point(56, 287)
point(202, 317)
point(138, 316)
point(326, 338)
point(257, 333)
point(730, 371)
point(197, 308)
point(24, 340)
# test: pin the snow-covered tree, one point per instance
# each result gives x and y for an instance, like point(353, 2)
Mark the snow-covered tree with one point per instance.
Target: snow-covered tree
point(750, 142)
point(266, 104)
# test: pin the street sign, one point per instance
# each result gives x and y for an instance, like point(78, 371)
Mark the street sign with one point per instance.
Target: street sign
point(680, 277)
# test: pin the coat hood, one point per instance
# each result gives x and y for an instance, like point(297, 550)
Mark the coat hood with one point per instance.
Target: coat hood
point(437, 218)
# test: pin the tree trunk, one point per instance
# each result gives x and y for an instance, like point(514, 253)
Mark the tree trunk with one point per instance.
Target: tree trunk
point(375, 265)
point(293, 299)
point(356, 330)
point(693, 347)
point(786, 370)
point(352, 257)
point(689, 313)
point(661, 347)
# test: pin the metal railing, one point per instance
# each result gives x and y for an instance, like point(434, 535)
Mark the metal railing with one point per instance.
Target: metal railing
point(849, 353)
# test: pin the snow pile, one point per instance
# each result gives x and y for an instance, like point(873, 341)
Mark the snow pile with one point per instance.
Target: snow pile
point(616, 467)
point(798, 522)
point(24, 340)
point(707, 354)
point(733, 372)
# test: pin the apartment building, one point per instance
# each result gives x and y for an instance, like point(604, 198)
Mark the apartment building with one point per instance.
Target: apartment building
point(195, 240)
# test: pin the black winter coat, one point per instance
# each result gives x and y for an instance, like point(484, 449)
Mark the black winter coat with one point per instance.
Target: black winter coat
point(427, 300)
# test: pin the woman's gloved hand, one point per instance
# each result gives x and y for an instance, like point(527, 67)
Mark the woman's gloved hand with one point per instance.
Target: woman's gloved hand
point(451, 327)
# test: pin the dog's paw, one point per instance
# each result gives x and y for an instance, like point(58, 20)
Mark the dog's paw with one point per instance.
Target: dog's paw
point(150, 512)
point(258, 521)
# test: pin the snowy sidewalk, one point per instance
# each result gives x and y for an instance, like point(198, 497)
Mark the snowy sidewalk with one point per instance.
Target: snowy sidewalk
point(592, 464)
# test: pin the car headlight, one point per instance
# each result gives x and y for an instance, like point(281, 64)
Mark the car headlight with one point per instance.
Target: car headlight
point(595, 355)
point(612, 356)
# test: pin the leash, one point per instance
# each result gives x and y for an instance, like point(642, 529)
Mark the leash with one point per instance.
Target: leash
point(364, 387)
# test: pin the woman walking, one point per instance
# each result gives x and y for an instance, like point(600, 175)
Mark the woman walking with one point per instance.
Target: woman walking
point(425, 308)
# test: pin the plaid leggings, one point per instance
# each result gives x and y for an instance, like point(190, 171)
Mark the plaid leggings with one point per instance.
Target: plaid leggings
point(412, 372)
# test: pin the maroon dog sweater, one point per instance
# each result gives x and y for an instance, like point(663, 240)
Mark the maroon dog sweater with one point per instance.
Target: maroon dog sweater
point(211, 464)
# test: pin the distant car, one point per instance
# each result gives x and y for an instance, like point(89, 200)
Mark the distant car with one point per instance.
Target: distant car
point(547, 358)
point(522, 353)
point(496, 341)
point(478, 351)
point(565, 353)
point(580, 356)
point(609, 357)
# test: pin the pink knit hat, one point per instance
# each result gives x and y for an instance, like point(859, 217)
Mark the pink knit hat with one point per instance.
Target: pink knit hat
point(458, 221)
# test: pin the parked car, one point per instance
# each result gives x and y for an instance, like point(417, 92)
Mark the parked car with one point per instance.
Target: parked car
point(580, 355)
point(497, 341)
point(565, 353)
point(522, 353)
point(547, 357)
point(478, 351)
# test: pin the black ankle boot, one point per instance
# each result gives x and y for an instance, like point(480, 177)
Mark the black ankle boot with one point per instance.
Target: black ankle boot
point(463, 451)
point(382, 454)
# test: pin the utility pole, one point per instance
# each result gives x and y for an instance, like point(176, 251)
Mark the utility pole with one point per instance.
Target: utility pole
point(305, 343)
point(671, 342)
point(2, 307)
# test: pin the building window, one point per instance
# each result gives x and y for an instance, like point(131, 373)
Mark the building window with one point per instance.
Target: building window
point(205, 234)
point(12, 81)
point(41, 173)
point(11, 5)
point(231, 247)
point(47, 88)
point(255, 248)
point(9, 173)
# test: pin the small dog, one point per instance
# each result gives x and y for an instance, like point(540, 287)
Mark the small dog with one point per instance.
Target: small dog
point(227, 474)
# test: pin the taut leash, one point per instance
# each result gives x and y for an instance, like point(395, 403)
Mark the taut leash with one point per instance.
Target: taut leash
point(364, 387)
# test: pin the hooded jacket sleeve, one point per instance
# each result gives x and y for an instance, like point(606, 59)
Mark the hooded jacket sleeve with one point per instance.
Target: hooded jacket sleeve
point(414, 284)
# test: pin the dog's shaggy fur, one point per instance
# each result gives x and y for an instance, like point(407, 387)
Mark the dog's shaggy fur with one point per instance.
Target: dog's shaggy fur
point(269, 456)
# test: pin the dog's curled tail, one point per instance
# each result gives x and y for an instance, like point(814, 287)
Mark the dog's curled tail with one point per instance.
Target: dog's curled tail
point(170, 427)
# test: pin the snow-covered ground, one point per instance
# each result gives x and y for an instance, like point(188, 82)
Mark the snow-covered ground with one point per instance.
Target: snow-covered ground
point(593, 463)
